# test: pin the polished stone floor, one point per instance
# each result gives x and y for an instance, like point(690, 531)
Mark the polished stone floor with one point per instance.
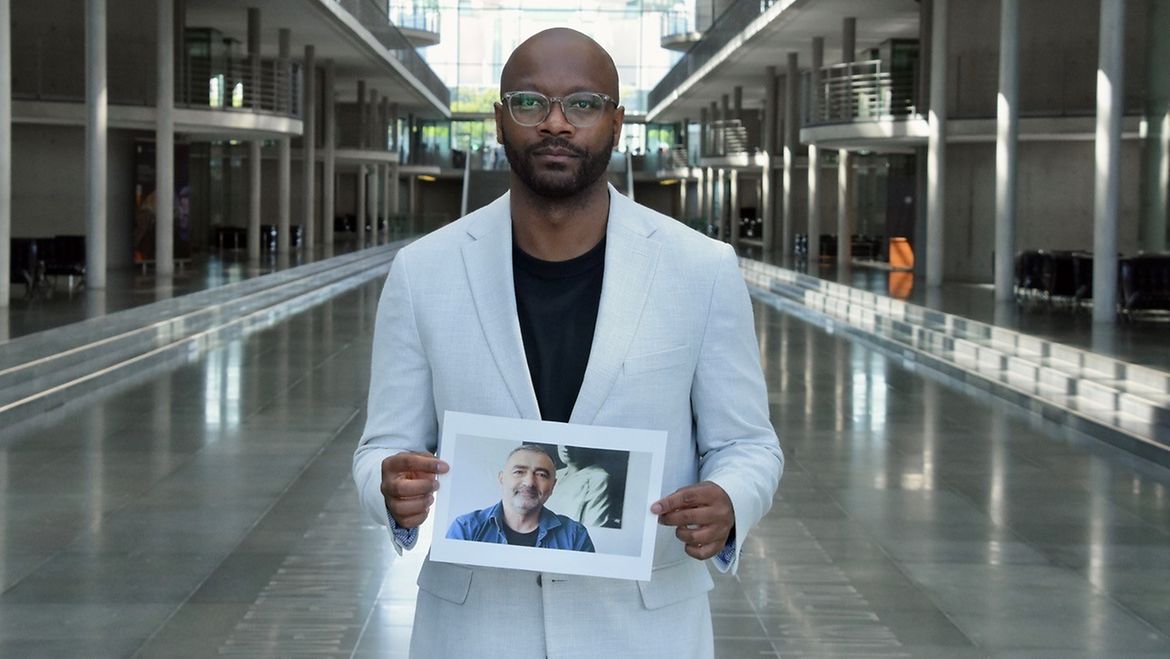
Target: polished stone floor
point(210, 512)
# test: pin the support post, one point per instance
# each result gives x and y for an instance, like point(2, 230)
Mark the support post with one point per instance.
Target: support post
point(164, 153)
point(5, 157)
point(791, 142)
point(814, 154)
point(96, 105)
point(284, 166)
point(1006, 149)
point(936, 145)
point(1107, 191)
point(329, 167)
point(309, 149)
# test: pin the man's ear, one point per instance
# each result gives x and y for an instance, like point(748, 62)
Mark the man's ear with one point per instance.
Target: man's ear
point(498, 109)
point(619, 118)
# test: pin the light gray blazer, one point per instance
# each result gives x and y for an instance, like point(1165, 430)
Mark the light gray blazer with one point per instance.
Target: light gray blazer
point(674, 349)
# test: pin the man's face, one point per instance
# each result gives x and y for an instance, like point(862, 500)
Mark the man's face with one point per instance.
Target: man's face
point(556, 159)
point(527, 481)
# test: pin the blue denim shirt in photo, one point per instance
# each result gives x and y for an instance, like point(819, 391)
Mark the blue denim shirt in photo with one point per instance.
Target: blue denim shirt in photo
point(553, 531)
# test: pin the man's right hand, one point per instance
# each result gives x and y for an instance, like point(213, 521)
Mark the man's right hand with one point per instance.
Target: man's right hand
point(409, 485)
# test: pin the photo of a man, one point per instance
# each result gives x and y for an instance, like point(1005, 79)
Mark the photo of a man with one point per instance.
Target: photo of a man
point(520, 517)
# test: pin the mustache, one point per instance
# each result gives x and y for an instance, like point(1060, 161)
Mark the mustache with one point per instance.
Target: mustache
point(558, 143)
point(526, 491)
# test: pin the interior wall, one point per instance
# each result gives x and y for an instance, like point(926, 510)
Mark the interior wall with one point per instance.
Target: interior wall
point(48, 186)
point(1055, 205)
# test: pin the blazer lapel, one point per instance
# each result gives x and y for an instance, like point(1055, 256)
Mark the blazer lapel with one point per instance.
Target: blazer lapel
point(630, 260)
point(488, 260)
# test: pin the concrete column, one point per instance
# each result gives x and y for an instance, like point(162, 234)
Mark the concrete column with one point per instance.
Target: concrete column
point(412, 205)
point(375, 201)
point(164, 154)
point(936, 145)
point(709, 196)
point(682, 199)
point(361, 206)
point(1152, 233)
point(253, 91)
point(849, 39)
point(768, 139)
point(394, 143)
point(309, 149)
point(255, 160)
point(845, 209)
point(716, 132)
point(255, 155)
point(96, 104)
point(372, 120)
point(329, 167)
point(284, 167)
point(362, 119)
point(383, 124)
point(392, 192)
point(700, 193)
point(5, 160)
point(385, 171)
point(791, 142)
point(737, 102)
point(1107, 190)
point(704, 130)
point(1006, 143)
point(814, 154)
point(733, 207)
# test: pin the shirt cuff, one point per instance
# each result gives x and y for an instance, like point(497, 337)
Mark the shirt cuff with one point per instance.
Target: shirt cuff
point(403, 538)
point(724, 558)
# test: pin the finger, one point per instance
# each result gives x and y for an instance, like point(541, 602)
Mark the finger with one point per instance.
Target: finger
point(398, 488)
point(703, 535)
point(701, 552)
point(411, 507)
point(687, 497)
point(417, 462)
point(411, 522)
point(700, 516)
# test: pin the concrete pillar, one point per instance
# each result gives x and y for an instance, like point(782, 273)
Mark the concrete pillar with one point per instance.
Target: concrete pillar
point(255, 185)
point(383, 124)
point(375, 204)
point(709, 197)
point(1152, 233)
point(309, 149)
point(5, 159)
point(704, 130)
point(936, 145)
point(385, 171)
point(96, 104)
point(733, 207)
point(362, 119)
point(394, 143)
point(814, 154)
point(372, 120)
point(284, 167)
point(164, 154)
point(682, 199)
point(700, 194)
point(791, 142)
point(361, 206)
point(716, 132)
point(849, 39)
point(412, 205)
point(737, 102)
point(1006, 147)
point(845, 209)
point(392, 192)
point(255, 155)
point(329, 166)
point(1107, 190)
point(768, 138)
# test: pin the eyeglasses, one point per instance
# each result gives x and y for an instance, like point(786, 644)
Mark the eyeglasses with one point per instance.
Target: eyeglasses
point(582, 109)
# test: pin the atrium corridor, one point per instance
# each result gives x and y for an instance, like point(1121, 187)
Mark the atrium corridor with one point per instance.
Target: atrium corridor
point(209, 511)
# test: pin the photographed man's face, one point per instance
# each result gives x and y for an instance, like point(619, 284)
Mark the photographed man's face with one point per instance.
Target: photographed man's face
point(527, 480)
point(556, 159)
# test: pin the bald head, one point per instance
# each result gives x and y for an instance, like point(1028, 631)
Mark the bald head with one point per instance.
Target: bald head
point(563, 55)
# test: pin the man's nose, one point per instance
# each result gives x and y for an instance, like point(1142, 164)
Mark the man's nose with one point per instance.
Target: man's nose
point(556, 123)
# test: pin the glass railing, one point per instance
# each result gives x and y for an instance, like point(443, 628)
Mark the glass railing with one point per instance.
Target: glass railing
point(728, 26)
point(421, 19)
point(375, 17)
point(859, 91)
point(271, 86)
point(676, 24)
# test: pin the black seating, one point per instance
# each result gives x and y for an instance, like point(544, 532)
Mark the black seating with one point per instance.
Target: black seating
point(1145, 282)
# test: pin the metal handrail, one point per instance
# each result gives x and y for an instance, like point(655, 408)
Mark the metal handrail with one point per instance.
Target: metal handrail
point(676, 23)
point(375, 17)
point(272, 86)
point(856, 91)
point(422, 19)
point(729, 25)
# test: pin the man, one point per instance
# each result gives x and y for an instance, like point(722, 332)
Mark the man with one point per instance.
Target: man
point(564, 300)
point(521, 518)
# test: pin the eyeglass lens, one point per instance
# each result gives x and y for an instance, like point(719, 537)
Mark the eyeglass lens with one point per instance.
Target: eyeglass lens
point(581, 109)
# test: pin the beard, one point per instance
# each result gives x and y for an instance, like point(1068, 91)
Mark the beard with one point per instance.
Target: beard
point(589, 167)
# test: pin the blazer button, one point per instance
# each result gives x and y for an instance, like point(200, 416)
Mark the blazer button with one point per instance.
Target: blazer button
point(539, 581)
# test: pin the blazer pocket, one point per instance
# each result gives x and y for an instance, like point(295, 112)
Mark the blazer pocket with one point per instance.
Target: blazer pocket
point(675, 583)
point(446, 581)
point(656, 361)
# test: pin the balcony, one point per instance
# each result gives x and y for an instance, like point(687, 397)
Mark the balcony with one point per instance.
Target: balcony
point(863, 91)
point(269, 86)
point(420, 25)
point(376, 17)
point(679, 31)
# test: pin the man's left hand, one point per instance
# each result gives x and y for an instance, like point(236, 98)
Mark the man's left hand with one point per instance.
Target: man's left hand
point(703, 516)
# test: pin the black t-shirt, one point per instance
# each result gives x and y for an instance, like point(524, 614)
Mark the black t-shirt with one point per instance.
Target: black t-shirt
point(557, 304)
point(521, 539)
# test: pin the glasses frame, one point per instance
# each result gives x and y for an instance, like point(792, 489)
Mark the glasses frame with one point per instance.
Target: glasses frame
point(548, 111)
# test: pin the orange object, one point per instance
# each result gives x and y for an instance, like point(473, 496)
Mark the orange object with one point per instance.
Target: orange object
point(901, 254)
point(901, 285)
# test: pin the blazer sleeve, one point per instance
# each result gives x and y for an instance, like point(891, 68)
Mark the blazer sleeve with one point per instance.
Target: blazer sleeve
point(400, 410)
point(738, 448)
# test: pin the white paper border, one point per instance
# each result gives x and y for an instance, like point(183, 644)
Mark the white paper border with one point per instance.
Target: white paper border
point(540, 559)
